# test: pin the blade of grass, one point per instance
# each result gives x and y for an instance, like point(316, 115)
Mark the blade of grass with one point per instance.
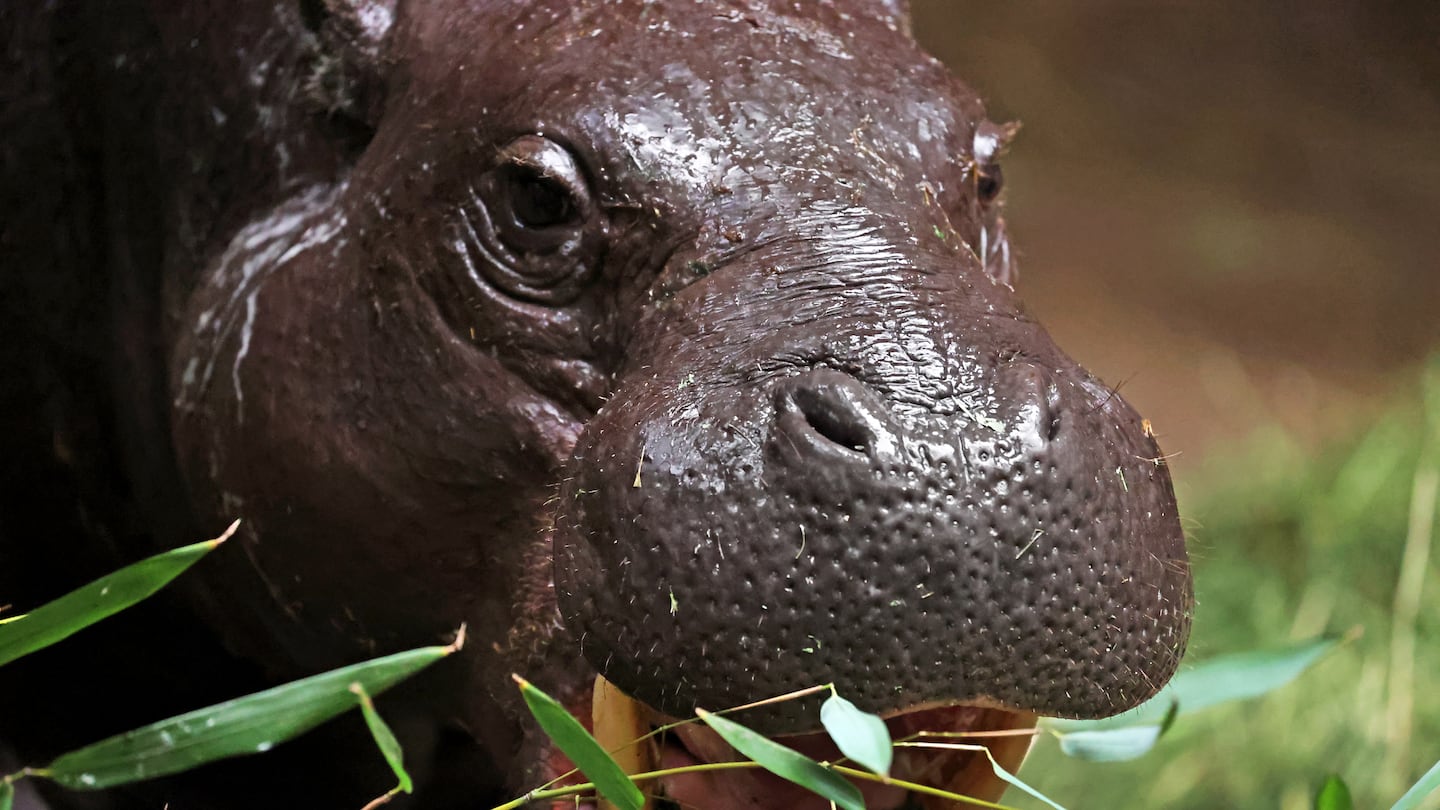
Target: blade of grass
point(110, 594)
point(251, 724)
point(384, 738)
point(785, 762)
point(1404, 638)
point(571, 738)
point(1428, 784)
point(861, 736)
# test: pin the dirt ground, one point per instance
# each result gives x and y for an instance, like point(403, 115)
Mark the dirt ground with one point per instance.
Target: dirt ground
point(1230, 208)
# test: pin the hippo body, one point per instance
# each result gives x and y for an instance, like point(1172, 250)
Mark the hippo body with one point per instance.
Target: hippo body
point(670, 341)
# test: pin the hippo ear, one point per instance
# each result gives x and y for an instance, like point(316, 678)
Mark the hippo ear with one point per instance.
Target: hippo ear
point(898, 12)
point(346, 80)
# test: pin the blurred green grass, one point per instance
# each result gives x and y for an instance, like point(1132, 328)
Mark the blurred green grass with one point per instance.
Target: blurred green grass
point(1288, 543)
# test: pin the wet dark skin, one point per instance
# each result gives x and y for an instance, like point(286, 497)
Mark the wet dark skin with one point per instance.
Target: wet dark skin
point(671, 341)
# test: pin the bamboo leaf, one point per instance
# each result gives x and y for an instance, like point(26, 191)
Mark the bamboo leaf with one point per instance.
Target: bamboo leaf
point(1225, 678)
point(1427, 786)
point(251, 724)
point(110, 594)
point(786, 763)
point(1116, 744)
point(859, 735)
point(582, 749)
point(1334, 795)
point(1110, 744)
point(1016, 782)
point(384, 738)
point(7, 795)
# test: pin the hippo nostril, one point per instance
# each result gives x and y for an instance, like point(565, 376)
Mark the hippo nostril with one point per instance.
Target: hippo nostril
point(829, 417)
point(1038, 398)
point(830, 411)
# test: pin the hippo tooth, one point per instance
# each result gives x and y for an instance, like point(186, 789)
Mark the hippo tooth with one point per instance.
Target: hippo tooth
point(619, 728)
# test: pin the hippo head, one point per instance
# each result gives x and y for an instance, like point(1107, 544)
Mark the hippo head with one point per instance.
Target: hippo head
point(671, 341)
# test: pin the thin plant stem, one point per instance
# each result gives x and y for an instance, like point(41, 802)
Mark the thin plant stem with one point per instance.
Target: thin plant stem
point(918, 788)
point(1410, 583)
point(570, 790)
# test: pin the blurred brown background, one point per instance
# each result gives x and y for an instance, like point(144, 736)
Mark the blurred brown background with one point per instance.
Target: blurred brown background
point(1230, 208)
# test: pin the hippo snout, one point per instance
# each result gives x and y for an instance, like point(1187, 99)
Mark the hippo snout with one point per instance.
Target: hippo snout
point(1012, 545)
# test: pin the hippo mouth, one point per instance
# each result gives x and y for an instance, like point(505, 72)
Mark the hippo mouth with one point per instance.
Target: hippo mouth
point(944, 767)
point(935, 752)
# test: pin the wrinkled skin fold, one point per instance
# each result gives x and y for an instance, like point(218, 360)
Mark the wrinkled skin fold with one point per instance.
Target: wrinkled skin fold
point(672, 342)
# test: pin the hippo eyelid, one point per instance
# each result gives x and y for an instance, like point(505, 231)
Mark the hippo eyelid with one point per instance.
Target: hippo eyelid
point(544, 157)
point(544, 161)
point(992, 140)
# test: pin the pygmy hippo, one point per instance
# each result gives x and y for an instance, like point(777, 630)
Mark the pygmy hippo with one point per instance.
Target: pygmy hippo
point(673, 341)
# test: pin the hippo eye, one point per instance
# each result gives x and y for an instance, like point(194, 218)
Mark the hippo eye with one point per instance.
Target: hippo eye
point(991, 139)
point(988, 183)
point(538, 224)
point(536, 201)
point(538, 197)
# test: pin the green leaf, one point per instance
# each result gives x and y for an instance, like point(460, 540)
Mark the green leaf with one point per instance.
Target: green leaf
point(582, 749)
point(1428, 785)
point(1334, 795)
point(786, 763)
point(247, 725)
point(1222, 679)
point(859, 735)
point(384, 738)
point(7, 796)
point(1110, 744)
point(73, 612)
point(1015, 781)
point(1116, 744)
